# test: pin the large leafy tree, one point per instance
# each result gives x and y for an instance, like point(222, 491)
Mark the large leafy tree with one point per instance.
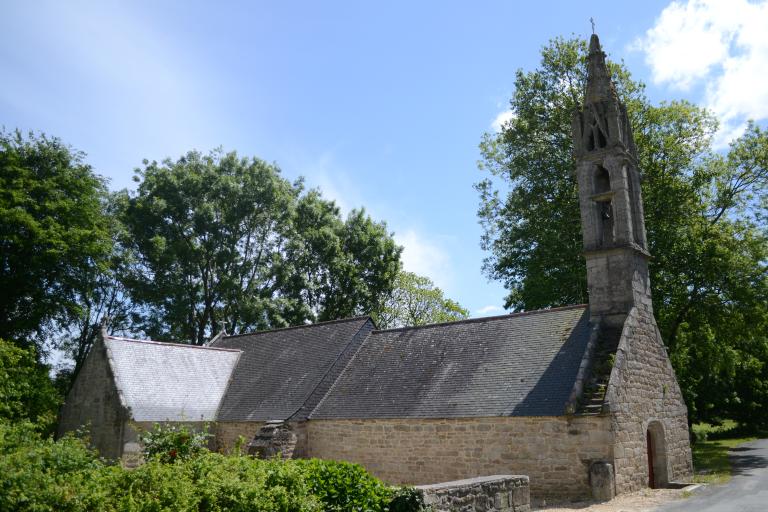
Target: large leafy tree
point(103, 298)
point(704, 216)
point(221, 240)
point(53, 233)
point(415, 300)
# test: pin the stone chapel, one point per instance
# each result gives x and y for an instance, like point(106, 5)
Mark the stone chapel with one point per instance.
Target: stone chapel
point(582, 399)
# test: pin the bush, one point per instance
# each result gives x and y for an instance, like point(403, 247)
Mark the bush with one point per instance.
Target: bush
point(26, 391)
point(40, 474)
point(406, 499)
point(170, 442)
point(342, 486)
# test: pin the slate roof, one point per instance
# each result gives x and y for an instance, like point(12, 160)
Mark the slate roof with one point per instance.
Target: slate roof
point(513, 365)
point(284, 373)
point(161, 381)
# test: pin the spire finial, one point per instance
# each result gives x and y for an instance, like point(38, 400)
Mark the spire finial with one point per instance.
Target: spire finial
point(592, 21)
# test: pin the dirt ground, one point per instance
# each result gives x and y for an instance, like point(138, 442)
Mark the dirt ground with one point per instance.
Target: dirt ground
point(641, 501)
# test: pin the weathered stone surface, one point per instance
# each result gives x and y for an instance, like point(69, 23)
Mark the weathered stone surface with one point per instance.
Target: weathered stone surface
point(555, 452)
point(497, 493)
point(228, 434)
point(274, 438)
point(602, 481)
point(94, 403)
point(643, 394)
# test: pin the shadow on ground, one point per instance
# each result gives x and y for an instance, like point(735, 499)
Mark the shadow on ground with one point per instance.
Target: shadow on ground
point(742, 462)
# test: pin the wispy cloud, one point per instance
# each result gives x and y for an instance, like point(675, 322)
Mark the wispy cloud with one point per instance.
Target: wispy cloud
point(720, 44)
point(422, 254)
point(426, 257)
point(489, 310)
point(501, 119)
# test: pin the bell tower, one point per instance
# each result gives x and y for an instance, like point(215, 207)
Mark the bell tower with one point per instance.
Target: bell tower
point(613, 228)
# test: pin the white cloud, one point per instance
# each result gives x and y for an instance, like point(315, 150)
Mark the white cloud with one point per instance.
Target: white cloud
point(426, 258)
point(501, 119)
point(720, 44)
point(489, 310)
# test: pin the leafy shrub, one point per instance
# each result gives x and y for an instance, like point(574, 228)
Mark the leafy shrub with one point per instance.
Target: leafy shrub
point(26, 391)
point(40, 474)
point(171, 442)
point(342, 486)
point(406, 499)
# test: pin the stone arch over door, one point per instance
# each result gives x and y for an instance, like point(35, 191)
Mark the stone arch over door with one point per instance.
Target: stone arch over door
point(656, 448)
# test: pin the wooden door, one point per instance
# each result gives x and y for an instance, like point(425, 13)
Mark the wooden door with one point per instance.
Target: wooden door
point(649, 442)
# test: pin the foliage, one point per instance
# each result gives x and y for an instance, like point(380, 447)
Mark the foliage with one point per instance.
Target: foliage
point(407, 499)
point(172, 442)
point(415, 300)
point(26, 391)
point(45, 475)
point(52, 233)
point(710, 456)
point(223, 239)
point(342, 486)
point(40, 474)
point(705, 217)
point(104, 299)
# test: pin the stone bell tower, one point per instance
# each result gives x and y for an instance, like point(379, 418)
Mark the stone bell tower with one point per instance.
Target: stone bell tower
point(615, 244)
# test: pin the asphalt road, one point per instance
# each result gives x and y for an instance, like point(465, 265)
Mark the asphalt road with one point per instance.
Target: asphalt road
point(746, 492)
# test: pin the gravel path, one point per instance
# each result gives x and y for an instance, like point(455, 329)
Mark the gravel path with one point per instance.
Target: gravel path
point(641, 501)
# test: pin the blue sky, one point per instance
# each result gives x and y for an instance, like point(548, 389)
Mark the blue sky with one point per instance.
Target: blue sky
point(379, 104)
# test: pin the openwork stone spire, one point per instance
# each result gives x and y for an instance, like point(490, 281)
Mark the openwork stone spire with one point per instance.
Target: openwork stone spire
point(613, 228)
point(603, 121)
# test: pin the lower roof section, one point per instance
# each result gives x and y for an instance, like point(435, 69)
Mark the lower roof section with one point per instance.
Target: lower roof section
point(167, 381)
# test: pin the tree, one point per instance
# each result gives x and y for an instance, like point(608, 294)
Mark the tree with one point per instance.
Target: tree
point(26, 391)
point(52, 233)
point(103, 297)
point(704, 216)
point(415, 300)
point(222, 239)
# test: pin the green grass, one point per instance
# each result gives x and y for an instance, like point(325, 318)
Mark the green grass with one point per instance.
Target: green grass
point(710, 452)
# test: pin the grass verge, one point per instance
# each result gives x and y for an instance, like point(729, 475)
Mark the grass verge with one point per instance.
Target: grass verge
point(710, 452)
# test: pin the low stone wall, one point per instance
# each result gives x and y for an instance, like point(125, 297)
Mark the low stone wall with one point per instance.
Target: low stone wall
point(556, 453)
point(498, 493)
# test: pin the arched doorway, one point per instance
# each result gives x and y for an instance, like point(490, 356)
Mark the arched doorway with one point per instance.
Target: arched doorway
point(657, 455)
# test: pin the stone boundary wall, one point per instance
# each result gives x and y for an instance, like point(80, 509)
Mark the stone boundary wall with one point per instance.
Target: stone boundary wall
point(643, 392)
point(555, 452)
point(498, 493)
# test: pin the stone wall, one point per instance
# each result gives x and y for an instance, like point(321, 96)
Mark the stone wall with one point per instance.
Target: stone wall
point(642, 393)
point(94, 403)
point(554, 452)
point(227, 433)
point(502, 493)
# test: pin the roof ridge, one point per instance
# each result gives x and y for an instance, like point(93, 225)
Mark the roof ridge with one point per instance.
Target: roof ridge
point(484, 318)
point(171, 344)
point(326, 322)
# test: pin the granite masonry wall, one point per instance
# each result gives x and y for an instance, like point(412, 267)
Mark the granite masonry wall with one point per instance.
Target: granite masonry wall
point(94, 403)
point(643, 394)
point(227, 433)
point(555, 452)
point(497, 493)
